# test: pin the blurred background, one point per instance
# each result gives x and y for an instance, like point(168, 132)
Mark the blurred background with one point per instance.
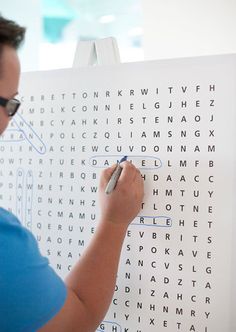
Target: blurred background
point(144, 29)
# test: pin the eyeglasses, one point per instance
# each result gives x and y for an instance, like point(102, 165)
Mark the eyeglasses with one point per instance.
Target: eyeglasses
point(11, 105)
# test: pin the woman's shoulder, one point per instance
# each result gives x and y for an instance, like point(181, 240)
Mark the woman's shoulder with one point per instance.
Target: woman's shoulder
point(7, 216)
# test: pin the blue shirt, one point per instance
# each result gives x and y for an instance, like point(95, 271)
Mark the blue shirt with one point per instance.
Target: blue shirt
point(31, 293)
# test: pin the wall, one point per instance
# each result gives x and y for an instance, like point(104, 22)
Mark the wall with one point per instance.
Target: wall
point(179, 28)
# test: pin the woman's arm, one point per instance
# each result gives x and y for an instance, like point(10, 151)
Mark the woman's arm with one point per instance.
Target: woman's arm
point(92, 281)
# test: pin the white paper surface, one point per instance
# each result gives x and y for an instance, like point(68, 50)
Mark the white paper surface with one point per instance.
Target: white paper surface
point(175, 120)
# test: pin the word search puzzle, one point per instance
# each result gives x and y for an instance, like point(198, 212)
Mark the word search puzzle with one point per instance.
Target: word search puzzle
point(175, 120)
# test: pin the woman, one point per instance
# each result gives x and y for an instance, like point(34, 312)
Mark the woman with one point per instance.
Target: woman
point(32, 296)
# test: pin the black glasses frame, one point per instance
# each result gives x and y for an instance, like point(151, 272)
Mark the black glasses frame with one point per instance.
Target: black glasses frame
point(11, 105)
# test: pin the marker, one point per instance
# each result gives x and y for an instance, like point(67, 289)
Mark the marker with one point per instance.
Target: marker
point(115, 176)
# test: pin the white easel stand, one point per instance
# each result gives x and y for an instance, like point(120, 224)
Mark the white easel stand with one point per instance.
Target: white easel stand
point(101, 52)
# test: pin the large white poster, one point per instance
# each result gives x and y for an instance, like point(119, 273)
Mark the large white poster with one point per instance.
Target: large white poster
point(175, 120)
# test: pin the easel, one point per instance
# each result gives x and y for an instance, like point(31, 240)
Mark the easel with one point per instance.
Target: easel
point(96, 52)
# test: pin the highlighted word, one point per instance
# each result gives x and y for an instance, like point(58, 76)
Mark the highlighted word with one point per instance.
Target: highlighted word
point(153, 221)
point(107, 326)
point(141, 162)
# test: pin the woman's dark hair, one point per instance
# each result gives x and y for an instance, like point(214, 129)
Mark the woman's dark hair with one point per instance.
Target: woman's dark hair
point(11, 33)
